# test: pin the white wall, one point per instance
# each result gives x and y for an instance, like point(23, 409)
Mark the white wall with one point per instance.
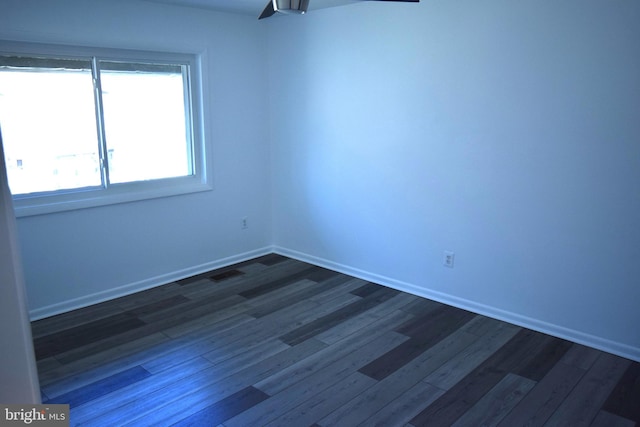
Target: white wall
point(507, 132)
point(76, 258)
point(18, 373)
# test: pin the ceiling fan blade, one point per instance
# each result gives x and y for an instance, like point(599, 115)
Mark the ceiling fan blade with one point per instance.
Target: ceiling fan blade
point(268, 11)
point(300, 6)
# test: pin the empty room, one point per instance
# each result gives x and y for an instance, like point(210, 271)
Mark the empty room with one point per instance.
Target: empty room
point(373, 213)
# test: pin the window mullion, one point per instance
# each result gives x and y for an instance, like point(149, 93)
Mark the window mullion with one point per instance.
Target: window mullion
point(189, 118)
point(102, 140)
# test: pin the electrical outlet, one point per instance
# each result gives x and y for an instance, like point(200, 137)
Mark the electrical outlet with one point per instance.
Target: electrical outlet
point(448, 259)
point(245, 223)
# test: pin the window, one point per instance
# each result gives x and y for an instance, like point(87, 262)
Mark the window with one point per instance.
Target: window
point(85, 128)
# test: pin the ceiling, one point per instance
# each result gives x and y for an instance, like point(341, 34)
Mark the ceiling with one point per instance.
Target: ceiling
point(246, 7)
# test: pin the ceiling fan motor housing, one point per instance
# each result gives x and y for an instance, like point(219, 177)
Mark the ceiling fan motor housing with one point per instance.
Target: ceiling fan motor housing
point(291, 6)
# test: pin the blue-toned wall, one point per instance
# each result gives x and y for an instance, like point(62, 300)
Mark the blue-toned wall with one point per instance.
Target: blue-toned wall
point(75, 258)
point(372, 137)
point(507, 132)
point(18, 371)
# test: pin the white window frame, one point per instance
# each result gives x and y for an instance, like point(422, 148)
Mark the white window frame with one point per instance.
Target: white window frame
point(65, 200)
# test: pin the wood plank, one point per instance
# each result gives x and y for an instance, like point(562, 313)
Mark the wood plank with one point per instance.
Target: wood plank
point(440, 326)
point(624, 400)
point(82, 335)
point(204, 287)
point(550, 354)
point(61, 322)
point(366, 289)
point(232, 343)
point(295, 292)
point(461, 397)
point(157, 347)
point(482, 325)
point(497, 403)
point(241, 333)
point(252, 268)
point(175, 355)
point(419, 324)
point(226, 275)
point(422, 307)
point(354, 324)
point(202, 325)
point(463, 363)
point(199, 391)
point(271, 259)
point(607, 419)
point(258, 330)
point(405, 406)
point(189, 310)
point(331, 354)
point(582, 405)
point(543, 400)
point(581, 356)
point(225, 408)
point(279, 283)
point(100, 348)
point(140, 390)
point(177, 350)
point(160, 305)
point(306, 388)
point(101, 365)
point(100, 388)
point(331, 293)
point(320, 274)
point(330, 320)
point(106, 343)
point(385, 391)
point(239, 266)
point(48, 365)
point(324, 402)
point(271, 302)
point(244, 377)
point(250, 356)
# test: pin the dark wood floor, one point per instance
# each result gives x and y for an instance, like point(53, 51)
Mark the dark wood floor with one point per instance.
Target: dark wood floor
point(279, 342)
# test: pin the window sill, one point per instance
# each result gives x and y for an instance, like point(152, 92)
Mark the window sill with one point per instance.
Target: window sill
point(91, 198)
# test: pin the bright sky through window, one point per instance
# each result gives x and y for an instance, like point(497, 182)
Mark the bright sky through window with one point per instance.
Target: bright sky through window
point(49, 130)
point(51, 119)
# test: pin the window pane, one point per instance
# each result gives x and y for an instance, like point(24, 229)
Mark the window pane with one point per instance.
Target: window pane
point(145, 121)
point(47, 114)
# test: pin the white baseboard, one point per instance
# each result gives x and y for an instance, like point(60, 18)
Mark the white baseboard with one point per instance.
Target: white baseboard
point(163, 279)
point(573, 335)
point(576, 336)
